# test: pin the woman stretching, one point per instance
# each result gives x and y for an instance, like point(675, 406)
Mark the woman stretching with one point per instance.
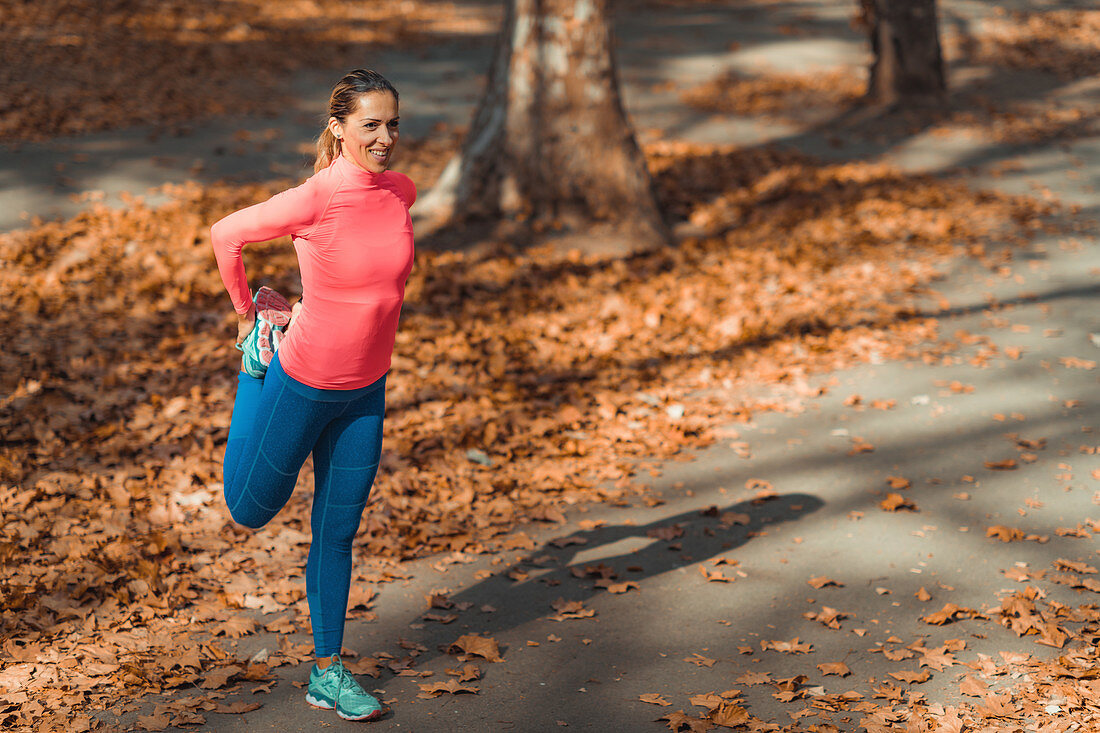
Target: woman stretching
point(323, 391)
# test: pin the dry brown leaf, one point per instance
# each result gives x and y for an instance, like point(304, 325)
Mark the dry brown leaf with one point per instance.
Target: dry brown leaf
point(570, 610)
point(153, 722)
point(453, 686)
point(700, 661)
point(973, 687)
point(654, 698)
point(729, 714)
point(1004, 534)
point(707, 700)
point(897, 482)
point(895, 502)
point(821, 581)
point(477, 646)
point(794, 646)
point(219, 677)
point(912, 677)
point(950, 612)
point(837, 668)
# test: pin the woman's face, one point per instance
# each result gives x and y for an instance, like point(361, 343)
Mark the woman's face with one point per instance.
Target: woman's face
point(369, 134)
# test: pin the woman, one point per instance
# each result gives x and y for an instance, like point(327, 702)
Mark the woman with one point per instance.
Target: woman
point(323, 390)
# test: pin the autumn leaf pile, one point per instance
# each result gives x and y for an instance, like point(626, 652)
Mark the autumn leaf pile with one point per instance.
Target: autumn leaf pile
point(794, 98)
point(776, 94)
point(68, 67)
point(995, 692)
point(1063, 42)
point(522, 382)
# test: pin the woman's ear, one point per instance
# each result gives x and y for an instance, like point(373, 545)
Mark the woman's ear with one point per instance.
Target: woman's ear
point(335, 128)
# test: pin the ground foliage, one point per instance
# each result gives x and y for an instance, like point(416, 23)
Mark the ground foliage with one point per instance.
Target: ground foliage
point(522, 382)
point(1011, 691)
point(986, 98)
point(1064, 42)
point(68, 67)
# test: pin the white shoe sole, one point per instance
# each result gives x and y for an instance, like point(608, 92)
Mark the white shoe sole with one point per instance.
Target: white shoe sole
point(318, 703)
point(368, 716)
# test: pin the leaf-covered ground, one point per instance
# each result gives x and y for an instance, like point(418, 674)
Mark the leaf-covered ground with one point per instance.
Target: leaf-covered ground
point(1004, 73)
point(68, 67)
point(524, 382)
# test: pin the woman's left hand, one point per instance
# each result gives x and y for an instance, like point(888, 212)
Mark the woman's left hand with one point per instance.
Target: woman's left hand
point(245, 323)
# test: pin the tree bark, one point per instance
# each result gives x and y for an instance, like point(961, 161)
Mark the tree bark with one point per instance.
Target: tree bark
point(550, 145)
point(908, 62)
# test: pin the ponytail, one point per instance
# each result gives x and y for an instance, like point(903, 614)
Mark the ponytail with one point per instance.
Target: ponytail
point(344, 99)
point(328, 147)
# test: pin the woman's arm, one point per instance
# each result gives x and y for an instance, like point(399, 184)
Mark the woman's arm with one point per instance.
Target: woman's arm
point(291, 212)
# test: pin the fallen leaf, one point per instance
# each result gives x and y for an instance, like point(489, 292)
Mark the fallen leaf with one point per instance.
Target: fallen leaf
point(950, 612)
point(452, 686)
point(1004, 534)
point(729, 714)
point(912, 677)
point(973, 687)
point(468, 673)
point(837, 668)
point(794, 646)
point(700, 661)
point(821, 581)
point(654, 698)
point(477, 646)
point(708, 700)
point(570, 610)
point(219, 677)
point(895, 502)
point(153, 722)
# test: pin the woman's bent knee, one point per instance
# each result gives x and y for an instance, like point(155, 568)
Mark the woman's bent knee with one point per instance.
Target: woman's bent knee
point(252, 520)
point(246, 513)
point(249, 521)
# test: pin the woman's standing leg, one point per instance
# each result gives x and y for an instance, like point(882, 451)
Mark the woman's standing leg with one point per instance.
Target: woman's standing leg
point(345, 461)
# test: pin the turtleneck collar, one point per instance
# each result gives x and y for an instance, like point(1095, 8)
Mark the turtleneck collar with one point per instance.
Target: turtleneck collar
point(354, 173)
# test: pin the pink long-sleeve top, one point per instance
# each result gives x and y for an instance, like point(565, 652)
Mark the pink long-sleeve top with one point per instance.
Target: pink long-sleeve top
point(353, 235)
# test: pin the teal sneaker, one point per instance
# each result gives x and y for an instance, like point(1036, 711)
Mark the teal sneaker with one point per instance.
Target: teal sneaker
point(335, 687)
point(272, 316)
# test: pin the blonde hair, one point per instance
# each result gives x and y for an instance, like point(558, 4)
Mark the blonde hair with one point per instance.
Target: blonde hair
point(341, 103)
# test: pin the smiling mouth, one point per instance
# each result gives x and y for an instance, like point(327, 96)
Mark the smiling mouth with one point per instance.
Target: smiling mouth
point(380, 154)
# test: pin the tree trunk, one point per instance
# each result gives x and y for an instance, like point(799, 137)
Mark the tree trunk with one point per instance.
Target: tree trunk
point(550, 145)
point(908, 63)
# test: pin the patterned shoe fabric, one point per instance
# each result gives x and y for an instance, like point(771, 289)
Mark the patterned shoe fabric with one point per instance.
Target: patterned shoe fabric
point(272, 317)
point(335, 687)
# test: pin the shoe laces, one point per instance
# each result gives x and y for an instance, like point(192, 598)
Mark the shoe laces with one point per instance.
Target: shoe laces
point(344, 678)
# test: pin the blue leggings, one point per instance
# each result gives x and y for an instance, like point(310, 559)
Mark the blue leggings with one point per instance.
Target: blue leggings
point(277, 421)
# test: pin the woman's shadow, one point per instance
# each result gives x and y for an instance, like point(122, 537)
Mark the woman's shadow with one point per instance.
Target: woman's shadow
point(548, 580)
